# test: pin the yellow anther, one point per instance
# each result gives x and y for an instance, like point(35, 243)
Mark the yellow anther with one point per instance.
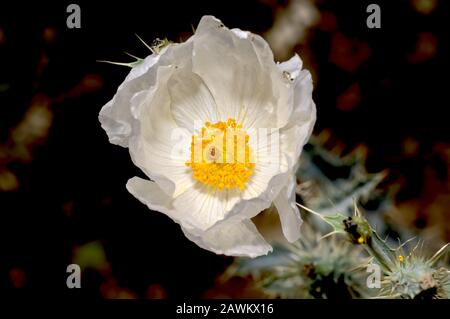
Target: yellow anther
point(221, 156)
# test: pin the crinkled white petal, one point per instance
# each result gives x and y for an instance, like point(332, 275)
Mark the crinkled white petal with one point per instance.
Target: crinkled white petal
point(206, 206)
point(153, 147)
point(297, 132)
point(292, 67)
point(233, 238)
point(115, 117)
point(191, 101)
point(226, 61)
point(150, 194)
point(290, 217)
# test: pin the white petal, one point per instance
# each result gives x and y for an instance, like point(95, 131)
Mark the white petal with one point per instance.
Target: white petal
point(290, 217)
point(204, 206)
point(252, 206)
point(159, 147)
point(191, 101)
point(292, 139)
point(150, 194)
point(268, 161)
point(233, 238)
point(241, 34)
point(293, 66)
point(304, 111)
point(115, 117)
point(143, 67)
point(259, 182)
point(297, 132)
point(240, 83)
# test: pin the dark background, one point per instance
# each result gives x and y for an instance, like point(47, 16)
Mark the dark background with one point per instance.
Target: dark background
point(71, 189)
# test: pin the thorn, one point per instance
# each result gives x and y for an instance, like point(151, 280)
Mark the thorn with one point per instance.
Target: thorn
point(308, 210)
point(329, 234)
point(116, 63)
point(148, 47)
point(357, 211)
point(406, 242)
point(133, 56)
point(438, 255)
point(332, 203)
point(414, 249)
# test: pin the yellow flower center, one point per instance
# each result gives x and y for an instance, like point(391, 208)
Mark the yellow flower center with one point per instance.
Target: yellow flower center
point(221, 156)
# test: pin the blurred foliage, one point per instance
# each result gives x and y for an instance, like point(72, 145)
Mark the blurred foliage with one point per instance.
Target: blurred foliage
point(309, 268)
point(329, 182)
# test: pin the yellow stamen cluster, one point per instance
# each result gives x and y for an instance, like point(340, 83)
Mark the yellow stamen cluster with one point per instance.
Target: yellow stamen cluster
point(221, 156)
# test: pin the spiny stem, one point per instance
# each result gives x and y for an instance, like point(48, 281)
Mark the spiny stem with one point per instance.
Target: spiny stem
point(379, 250)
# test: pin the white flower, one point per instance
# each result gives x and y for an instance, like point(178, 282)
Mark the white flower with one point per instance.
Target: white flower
point(219, 81)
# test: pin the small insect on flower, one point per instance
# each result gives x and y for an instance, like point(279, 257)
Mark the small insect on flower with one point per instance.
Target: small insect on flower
point(218, 127)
